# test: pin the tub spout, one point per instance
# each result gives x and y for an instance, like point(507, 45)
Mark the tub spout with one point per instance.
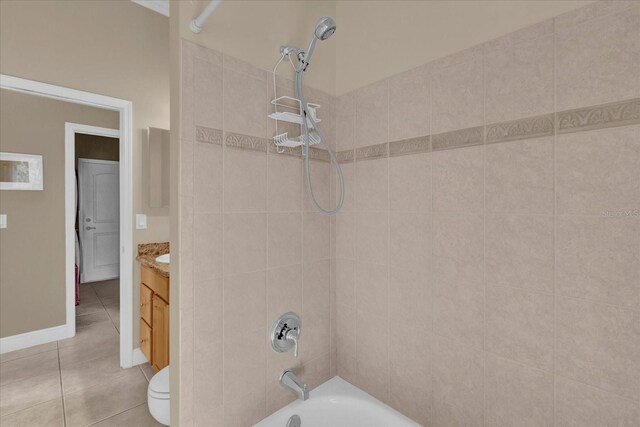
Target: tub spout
point(289, 380)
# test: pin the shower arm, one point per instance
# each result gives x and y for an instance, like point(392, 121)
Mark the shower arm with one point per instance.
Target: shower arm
point(196, 24)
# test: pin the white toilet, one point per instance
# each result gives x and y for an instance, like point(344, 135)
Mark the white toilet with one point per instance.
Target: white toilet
point(158, 396)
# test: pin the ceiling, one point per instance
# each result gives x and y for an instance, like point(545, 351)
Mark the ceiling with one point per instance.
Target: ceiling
point(160, 6)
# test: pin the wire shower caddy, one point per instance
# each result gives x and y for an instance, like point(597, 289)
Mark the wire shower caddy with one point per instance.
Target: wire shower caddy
point(287, 109)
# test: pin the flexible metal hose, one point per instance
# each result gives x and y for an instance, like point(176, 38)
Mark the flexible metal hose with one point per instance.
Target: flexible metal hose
point(305, 152)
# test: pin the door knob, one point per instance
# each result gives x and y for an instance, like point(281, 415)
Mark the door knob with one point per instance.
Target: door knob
point(89, 228)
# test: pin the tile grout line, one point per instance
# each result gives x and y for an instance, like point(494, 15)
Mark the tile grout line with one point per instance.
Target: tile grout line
point(115, 415)
point(265, 285)
point(431, 248)
point(355, 245)
point(388, 254)
point(62, 396)
point(555, 220)
point(223, 278)
point(484, 236)
point(28, 355)
point(104, 307)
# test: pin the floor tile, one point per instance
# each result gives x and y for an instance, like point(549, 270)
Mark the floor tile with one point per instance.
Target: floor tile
point(105, 400)
point(107, 289)
point(107, 301)
point(138, 416)
point(47, 414)
point(90, 336)
point(87, 294)
point(98, 346)
point(114, 314)
point(147, 371)
point(31, 351)
point(80, 376)
point(89, 307)
point(30, 392)
point(88, 320)
point(26, 367)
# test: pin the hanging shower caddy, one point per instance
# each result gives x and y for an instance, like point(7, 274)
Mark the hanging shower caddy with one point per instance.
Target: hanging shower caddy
point(287, 109)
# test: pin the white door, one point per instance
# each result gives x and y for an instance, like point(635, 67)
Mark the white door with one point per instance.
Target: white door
point(99, 219)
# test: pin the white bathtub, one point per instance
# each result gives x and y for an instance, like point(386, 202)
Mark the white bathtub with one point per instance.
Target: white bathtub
point(337, 403)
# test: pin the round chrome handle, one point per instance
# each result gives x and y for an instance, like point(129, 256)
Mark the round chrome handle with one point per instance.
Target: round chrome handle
point(285, 333)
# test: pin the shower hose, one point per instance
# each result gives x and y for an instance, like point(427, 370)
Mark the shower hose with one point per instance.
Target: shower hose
point(305, 152)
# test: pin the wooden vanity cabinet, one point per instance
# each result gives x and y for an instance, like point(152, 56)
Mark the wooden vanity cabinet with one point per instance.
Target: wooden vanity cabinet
point(154, 318)
point(160, 334)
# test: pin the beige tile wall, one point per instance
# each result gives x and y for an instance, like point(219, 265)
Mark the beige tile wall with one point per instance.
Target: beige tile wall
point(498, 283)
point(252, 248)
point(485, 268)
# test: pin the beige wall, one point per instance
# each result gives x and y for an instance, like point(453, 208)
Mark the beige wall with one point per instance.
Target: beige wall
point(32, 295)
point(488, 268)
point(374, 40)
point(388, 37)
point(254, 31)
point(114, 48)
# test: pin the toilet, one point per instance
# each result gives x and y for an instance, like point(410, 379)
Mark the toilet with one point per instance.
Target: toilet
point(158, 396)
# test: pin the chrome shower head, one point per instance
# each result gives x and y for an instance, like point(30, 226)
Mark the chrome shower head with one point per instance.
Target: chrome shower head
point(325, 27)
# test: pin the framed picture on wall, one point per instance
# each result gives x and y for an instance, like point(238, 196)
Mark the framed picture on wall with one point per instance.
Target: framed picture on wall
point(20, 171)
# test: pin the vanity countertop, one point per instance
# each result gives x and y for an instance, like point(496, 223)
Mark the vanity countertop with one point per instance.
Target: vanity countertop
point(147, 254)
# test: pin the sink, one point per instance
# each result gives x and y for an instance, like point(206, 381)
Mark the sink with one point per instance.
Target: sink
point(163, 259)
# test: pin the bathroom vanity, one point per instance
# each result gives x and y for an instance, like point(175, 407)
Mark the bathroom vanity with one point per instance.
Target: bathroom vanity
point(154, 305)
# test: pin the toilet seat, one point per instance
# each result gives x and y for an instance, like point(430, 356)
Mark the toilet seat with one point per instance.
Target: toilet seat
point(159, 384)
point(158, 396)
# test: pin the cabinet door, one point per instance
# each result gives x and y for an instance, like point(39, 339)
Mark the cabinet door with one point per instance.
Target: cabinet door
point(160, 333)
point(155, 282)
point(145, 339)
point(145, 303)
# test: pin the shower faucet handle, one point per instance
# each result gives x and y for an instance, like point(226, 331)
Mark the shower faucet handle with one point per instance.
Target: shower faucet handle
point(285, 333)
point(292, 335)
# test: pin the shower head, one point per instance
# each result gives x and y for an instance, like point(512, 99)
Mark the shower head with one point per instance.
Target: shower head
point(325, 27)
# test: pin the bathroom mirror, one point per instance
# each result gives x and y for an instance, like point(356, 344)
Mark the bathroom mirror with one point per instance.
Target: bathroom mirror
point(158, 143)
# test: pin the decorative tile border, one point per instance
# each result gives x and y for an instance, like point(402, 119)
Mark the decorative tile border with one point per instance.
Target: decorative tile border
point(372, 152)
point(600, 116)
point(254, 143)
point(421, 144)
point(458, 139)
point(211, 136)
point(319, 154)
point(614, 114)
point(346, 156)
point(286, 151)
point(245, 142)
point(621, 113)
point(533, 127)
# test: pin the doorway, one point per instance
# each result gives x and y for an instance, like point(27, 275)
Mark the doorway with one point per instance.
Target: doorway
point(98, 184)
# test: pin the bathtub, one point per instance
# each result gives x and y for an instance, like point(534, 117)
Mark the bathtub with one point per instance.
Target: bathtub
point(337, 403)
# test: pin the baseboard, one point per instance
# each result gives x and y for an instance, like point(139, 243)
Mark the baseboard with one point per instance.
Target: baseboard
point(31, 339)
point(138, 357)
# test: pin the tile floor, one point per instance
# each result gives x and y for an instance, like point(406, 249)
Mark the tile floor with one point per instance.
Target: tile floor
point(78, 381)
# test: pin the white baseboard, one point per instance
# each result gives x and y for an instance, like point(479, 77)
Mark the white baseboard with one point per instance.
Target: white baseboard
point(138, 357)
point(31, 339)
